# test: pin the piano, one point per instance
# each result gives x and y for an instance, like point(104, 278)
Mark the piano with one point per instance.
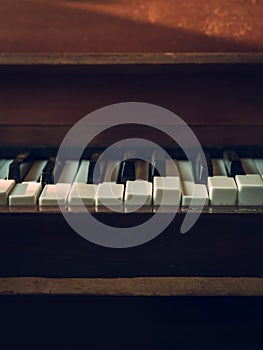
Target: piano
point(204, 64)
point(218, 95)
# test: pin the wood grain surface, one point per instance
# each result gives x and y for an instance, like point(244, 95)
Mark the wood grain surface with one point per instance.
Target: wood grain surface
point(147, 286)
point(92, 61)
point(209, 95)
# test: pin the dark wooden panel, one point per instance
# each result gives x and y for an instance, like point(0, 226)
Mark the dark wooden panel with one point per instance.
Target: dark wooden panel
point(124, 322)
point(52, 135)
point(220, 244)
point(200, 96)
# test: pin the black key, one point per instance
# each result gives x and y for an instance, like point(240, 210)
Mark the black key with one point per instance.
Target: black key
point(95, 177)
point(233, 163)
point(47, 176)
point(127, 171)
point(20, 167)
point(202, 168)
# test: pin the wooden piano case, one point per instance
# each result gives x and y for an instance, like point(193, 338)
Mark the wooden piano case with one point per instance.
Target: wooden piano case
point(95, 288)
point(59, 61)
point(210, 76)
point(218, 95)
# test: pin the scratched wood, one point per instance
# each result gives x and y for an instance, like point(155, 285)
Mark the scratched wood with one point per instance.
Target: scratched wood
point(148, 286)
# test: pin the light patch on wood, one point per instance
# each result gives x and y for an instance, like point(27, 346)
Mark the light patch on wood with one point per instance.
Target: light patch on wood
point(142, 286)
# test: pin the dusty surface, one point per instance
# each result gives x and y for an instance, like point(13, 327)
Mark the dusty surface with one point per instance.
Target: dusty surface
point(147, 286)
point(130, 26)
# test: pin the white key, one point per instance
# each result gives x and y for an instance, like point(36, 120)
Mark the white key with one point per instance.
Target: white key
point(249, 185)
point(24, 168)
point(1, 162)
point(190, 190)
point(171, 168)
point(185, 170)
point(111, 171)
point(35, 171)
point(166, 190)
point(82, 174)
point(26, 193)
point(109, 193)
point(68, 172)
point(249, 166)
point(250, 190)
point(138, 192)
point(194, 192)
point(5, 168)
point(222, 190)
point(6, 187)
point(82, 193)
point(54, 194)
point(259, 165)
point(219, 168)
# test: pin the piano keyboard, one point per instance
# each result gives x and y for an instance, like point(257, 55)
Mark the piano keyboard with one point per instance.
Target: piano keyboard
point(231, 181)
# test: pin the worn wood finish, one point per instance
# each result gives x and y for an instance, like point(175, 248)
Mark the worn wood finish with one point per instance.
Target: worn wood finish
point(127, 59)
point(220, 244)
point(148, 286)
point(212, 95)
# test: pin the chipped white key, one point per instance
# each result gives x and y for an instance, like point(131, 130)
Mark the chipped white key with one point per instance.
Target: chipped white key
point(109, 193)
point(250, 190)
point(82, 174)
point(54, 194)
point(25, 193)
point(138, 192)
point(6, 187)
point(5, 168)
point(195, 193)
point(166, 190)
point(82, 193)
point(68, 172)
point(259, 165)
point(222, 191)
point(191, 192)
